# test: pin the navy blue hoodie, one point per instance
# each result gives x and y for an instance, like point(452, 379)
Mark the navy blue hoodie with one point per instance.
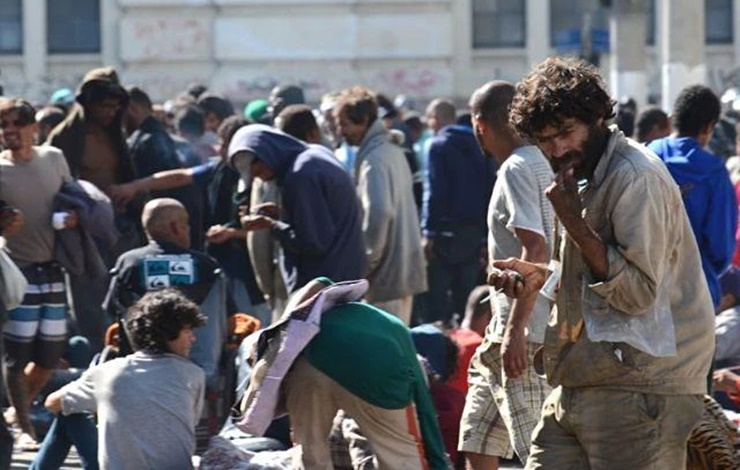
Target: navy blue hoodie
point(460, 181)
point(709, 199)
point(321, 231)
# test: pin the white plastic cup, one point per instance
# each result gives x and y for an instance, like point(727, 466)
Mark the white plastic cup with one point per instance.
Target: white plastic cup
point(59, 220)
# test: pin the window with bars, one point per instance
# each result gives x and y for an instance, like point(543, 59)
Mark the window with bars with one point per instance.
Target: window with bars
point(73, 26)
point(499, 23)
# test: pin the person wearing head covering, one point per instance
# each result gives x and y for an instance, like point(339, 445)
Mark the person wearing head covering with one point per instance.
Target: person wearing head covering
point(92, 140)
point(318, 225)
point(257, 113)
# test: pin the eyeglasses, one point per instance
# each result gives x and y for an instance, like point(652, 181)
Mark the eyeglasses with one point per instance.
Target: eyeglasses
point(16, 123)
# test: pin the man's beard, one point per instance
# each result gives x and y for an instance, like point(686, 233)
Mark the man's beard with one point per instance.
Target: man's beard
point(584, 161)
point(479, 139)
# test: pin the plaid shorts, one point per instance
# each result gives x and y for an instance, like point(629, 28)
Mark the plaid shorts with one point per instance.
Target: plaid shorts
point(500, 414)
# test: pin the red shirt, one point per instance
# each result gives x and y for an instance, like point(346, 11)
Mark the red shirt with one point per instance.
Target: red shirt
point(468, 341)
point(449, 403)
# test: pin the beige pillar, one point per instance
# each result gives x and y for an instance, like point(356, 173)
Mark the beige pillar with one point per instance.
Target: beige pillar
point(34, 48)
point(628, 56)
point(538, 31)
point(681, 30)
point(109, 20)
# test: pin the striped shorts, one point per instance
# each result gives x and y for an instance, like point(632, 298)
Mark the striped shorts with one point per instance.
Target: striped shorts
point(37, 329)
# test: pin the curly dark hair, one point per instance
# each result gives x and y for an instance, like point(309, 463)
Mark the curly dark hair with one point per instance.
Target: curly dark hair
point(358, 103)
point(557, 89)
point(696, 107)
point(159, 317)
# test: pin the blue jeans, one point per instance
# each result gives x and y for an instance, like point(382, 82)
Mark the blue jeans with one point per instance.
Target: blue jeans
point(76, 429)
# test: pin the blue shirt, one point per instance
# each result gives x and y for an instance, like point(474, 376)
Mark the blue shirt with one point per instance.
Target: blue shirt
point(709, 199)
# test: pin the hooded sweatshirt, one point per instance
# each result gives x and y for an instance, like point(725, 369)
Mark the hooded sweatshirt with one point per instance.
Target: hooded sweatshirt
point(460, 182)
point(321, 232)
point(69, 135)
point(709, 199)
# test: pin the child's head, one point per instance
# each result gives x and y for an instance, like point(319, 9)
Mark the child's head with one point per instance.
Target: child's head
point(162, 321)
point(478, 310)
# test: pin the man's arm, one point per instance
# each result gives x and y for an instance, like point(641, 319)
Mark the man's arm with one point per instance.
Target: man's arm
point(718, 238)
point(514, 345)
point(312, 229)
point(121, 194)
point(374, 192)
point(75, 397)
point(53, 402)
point(646, 215)
point(437, 191)
point(563, 194)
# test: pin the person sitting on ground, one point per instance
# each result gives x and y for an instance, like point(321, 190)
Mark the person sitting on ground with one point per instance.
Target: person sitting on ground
point(152, 424)
point(222, 197)
point(440, 357)
point(470, 335)
point(168, 261)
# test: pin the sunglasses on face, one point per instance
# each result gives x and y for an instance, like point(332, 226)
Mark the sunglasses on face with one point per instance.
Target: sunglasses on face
point(15, 123)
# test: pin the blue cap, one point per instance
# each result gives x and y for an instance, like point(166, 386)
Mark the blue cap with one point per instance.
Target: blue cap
point(63, 96)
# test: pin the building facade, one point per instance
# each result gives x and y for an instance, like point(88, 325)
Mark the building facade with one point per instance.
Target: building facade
point(421, 48)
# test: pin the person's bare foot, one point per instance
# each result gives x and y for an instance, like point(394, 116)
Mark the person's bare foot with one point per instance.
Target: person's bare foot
point(26, 443)
point(10, 416)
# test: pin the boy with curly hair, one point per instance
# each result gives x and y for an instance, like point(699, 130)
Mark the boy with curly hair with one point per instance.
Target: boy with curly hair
point(148, 402)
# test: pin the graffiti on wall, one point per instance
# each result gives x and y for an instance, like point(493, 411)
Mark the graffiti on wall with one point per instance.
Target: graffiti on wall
point(148, 39)
point(421, 83)
point(162, 83)
point(246, 89)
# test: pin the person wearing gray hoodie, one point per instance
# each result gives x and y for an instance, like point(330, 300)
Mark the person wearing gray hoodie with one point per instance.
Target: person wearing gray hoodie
point(320, 228)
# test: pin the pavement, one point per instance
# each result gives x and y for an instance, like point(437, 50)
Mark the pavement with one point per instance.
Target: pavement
point(21, 460)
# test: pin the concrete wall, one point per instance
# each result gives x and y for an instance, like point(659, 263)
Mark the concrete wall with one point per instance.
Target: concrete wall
point(242, 48)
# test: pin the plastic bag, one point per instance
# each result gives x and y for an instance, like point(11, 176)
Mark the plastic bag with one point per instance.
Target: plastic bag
point(652, 332)
point(14, 283)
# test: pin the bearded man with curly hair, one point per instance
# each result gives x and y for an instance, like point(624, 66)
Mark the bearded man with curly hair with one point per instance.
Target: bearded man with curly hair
point(627, 397)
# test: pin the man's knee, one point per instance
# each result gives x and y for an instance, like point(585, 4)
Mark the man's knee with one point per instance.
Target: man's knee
point(475, 461)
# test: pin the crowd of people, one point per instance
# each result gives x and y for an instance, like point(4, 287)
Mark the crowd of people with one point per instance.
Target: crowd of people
point(539, 276)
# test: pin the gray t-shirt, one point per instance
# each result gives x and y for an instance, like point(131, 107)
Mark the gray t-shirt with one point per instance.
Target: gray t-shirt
point(147, 406)
point(31, 186)
point(518, 201)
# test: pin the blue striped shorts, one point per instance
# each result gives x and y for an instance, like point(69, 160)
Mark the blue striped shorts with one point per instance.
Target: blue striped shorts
point(37, 329)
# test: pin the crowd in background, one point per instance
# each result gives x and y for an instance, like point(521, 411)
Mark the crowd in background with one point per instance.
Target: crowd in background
point(101, 187)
